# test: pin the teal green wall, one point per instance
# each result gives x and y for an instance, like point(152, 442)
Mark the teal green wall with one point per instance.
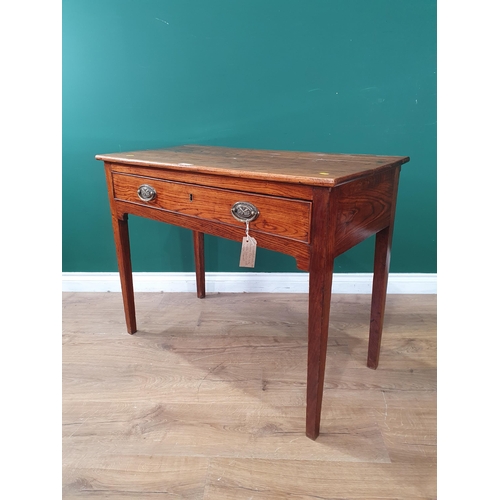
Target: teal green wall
point(347, 76)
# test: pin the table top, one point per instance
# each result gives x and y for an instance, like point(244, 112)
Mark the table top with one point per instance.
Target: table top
point(315, 169)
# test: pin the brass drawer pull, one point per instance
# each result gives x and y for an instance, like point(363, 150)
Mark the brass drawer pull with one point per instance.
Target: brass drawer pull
point(146, 192)
point(244, 211)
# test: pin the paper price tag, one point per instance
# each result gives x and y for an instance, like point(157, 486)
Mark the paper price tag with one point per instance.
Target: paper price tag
point(248, 251)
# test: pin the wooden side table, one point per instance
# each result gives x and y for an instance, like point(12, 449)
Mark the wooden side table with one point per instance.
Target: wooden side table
point(313, 206)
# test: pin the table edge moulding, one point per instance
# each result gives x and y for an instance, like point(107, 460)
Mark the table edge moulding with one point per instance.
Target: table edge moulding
point(312, 206)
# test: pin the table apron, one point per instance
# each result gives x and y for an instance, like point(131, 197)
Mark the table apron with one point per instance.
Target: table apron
point(364, 207)
point(297, 249)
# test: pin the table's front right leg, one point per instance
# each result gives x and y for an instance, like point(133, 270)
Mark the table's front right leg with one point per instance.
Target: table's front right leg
point(320, 286)
point(320, 289)
point(122, 243)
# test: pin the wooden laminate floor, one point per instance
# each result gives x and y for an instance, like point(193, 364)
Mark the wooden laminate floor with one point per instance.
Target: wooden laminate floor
point(207, 400)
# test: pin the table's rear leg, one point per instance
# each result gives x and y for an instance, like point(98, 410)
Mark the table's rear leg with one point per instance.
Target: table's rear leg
point(199, 262)
point(122, 243)
point(379, 293)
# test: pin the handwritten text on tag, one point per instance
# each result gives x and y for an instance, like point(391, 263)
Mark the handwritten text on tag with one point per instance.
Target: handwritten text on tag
point(248, 251)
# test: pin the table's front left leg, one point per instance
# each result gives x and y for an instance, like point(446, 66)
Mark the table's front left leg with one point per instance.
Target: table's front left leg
point(122, 243)
point(199, 262)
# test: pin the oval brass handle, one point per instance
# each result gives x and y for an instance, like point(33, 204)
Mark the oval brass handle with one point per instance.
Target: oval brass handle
point(244, 211)
point(146, 192)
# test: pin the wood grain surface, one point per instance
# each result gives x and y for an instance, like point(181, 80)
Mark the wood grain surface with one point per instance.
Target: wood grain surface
point(364, 207)
point(274, 188)
point(296, 167)
point(278, 216)
point(207, 399)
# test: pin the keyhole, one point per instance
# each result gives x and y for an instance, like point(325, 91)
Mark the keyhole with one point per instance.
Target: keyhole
point(190, 197)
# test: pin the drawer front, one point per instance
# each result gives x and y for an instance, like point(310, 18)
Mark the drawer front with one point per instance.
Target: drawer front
point(279, 216)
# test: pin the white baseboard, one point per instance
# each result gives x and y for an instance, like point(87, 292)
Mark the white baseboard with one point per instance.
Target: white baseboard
point(403, 283)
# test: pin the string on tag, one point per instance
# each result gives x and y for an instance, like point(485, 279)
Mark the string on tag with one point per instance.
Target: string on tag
point(247, 229)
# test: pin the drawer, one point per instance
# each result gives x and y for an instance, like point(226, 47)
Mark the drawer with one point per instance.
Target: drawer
point(278, 216)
